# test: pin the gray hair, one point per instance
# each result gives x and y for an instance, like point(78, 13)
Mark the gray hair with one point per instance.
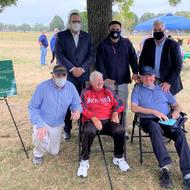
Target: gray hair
point(156, 22)
point(94, 75)
point(73, 12)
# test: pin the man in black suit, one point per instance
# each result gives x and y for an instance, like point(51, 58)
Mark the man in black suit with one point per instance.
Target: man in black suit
point(164, 55)
point(74, 50)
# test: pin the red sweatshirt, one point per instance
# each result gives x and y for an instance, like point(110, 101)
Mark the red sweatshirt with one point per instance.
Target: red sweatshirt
point(100, 104)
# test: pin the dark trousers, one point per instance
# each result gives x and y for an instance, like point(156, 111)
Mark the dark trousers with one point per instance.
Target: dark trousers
point(115, 130)
point(156, 132)
point(68, 121)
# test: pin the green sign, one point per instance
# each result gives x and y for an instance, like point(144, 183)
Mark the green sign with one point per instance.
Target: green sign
point(7, 79)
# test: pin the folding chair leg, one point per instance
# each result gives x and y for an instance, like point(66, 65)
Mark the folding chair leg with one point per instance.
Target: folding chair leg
point(79, 143)
point(125, 146)
point(109, 178)
point(140, 145)
point(132, 132)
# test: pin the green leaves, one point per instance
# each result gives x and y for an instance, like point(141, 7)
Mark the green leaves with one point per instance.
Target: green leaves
point(6, 3)
point(174, 2)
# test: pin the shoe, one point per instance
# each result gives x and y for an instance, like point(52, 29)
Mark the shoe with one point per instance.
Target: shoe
point(83, 168)
point(121, 163)
point(66, 135)
point(165, 179)
point(186, 183)
point(37, 160)
point(126, 135)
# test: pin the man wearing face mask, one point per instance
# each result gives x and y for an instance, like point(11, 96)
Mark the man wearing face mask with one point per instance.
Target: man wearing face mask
point(115, 56)
point(47, 111)
point(164, 55)
point(74, 50)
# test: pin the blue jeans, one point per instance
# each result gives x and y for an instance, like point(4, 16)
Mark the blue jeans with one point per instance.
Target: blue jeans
point(43, 51)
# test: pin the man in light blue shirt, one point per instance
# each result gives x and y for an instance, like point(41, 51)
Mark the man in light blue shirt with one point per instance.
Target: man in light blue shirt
point(152, 103)
point(47, 110)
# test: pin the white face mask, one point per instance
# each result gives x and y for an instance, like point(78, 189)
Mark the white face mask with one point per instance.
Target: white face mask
point(60, 82)
point(76, 27)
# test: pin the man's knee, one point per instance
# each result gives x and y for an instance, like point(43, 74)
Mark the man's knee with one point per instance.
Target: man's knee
point(89, 130)
point(119, 130)
point(54, 152)
point(154, 128)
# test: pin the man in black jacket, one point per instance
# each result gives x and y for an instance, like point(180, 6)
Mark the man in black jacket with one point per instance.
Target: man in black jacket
point(74, 50)
point(164, 55)
point(115, 56)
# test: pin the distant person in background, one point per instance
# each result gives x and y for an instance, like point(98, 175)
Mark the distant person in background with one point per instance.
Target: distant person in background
point(74, 50)
point(52, 44)
point(43, 41)
point(188, 42)
point(47, 110)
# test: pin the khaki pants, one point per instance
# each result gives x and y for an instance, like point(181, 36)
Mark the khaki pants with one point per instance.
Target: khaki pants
point(51, 142)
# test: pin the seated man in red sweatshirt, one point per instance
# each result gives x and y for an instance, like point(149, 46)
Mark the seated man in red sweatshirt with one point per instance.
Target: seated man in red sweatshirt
point(101, 107)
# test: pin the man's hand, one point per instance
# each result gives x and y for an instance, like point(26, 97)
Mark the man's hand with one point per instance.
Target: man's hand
point(175, 114)
point(115, 117)
point(97, 123)
point(75, 115)
point(136, 78)
point(77, 71)
point(41, 133)
point(109, 82)
point(165, 86)
point(160, 115)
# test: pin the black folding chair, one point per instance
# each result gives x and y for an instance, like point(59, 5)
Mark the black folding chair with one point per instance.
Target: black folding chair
point(141, 134)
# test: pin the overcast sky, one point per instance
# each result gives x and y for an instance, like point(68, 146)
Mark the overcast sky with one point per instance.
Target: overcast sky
point(42, 11)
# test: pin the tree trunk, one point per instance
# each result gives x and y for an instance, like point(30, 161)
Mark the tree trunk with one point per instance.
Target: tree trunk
point(99, 15)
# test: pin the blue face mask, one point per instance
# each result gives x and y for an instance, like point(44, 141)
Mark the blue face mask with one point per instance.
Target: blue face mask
point(60, 82)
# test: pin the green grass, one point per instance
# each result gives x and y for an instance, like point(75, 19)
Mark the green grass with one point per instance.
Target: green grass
point(59, 173)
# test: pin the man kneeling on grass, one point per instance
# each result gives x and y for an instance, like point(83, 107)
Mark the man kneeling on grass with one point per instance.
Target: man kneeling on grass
point(47, 111)
point(152, 105)
point(101, 107)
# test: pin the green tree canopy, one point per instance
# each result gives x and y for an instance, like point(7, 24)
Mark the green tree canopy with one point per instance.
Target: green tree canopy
point(183, 13)
point(57, 22)
point(6, 3)
point(84, 19)
point(147, 16)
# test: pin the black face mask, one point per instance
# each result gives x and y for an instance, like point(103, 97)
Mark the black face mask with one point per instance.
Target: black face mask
point(158, 35)
point(115, 34)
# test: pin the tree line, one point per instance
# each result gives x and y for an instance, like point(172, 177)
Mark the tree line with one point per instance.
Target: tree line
point(129, 20)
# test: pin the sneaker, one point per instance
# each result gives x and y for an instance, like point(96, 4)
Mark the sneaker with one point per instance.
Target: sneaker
point(37, 160)
point(83, 168)
point(66, 135)
point(165, 179)
point(186, 183)
point(126, 135)
point(121, 163)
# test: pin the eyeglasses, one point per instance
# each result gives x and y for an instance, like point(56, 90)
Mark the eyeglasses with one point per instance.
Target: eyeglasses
point(76, 21)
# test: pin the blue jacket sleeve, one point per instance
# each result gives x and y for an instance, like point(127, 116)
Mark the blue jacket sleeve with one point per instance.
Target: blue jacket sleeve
point(62, 60)
point(34, 108)
point(100, 60)
point(76, 101)
point(91, 56)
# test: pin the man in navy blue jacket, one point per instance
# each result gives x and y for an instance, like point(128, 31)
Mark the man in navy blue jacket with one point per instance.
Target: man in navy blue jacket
point(115, 56)
point(164, 55)
point(74, 50)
